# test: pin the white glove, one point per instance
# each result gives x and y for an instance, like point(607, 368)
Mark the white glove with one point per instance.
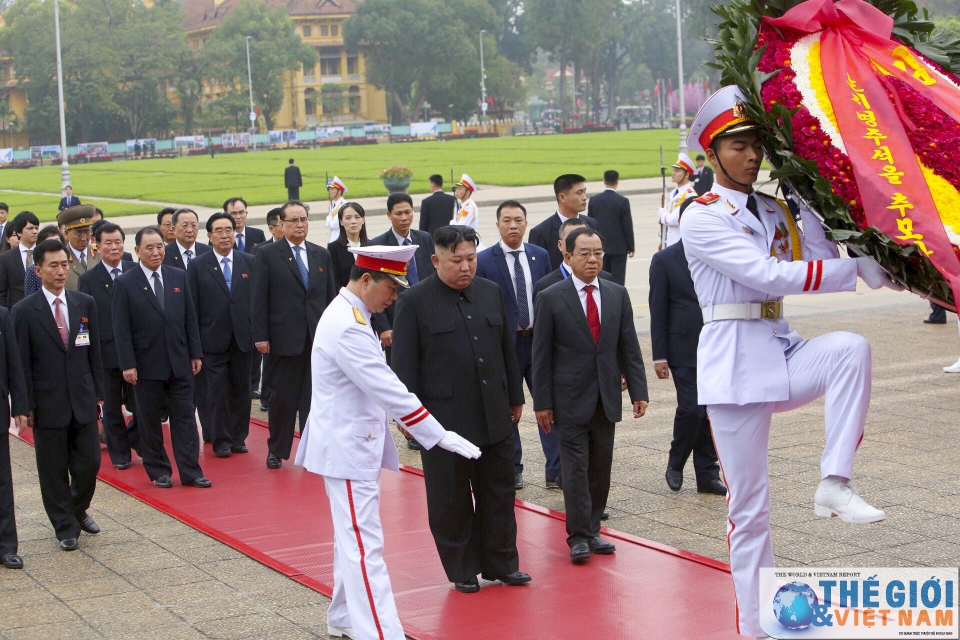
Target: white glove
point(875, 277)
point(454, 443)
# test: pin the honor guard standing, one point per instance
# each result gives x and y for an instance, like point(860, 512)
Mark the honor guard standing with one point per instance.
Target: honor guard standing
point(670, 214)
point(335, 189)
point(745, 253)
point(347, 439)
point(466, 211)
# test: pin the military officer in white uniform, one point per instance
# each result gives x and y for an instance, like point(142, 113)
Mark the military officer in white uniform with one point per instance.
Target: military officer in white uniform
point(335, 189)
point(347, 439)
point(466, 211)
point(745, 254)
point(670, 213)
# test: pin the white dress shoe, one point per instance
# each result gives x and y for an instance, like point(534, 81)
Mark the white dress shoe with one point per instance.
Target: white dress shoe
point(954, 368)
point(339, 632)
point(837, 497)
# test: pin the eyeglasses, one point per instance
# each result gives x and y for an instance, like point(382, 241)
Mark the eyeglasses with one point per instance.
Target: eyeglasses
point(584, 255)
point(303, 220)
point(224, 231)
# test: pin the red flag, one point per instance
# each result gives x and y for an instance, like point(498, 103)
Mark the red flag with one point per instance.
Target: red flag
point(670, 86)
point(706, 86)
point(656, 89)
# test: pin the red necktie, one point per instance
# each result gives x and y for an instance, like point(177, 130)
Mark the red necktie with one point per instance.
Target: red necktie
point(593, 314)
point(61, 321)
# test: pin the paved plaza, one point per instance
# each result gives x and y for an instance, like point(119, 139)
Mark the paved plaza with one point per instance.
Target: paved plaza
point(149, 576)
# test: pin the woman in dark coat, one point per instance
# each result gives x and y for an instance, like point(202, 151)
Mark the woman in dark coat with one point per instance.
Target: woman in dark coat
point(353, 233)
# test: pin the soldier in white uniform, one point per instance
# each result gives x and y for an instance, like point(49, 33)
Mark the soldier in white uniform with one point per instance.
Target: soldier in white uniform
point(745, 254)
point(347, 439)
point(466, 211)
point(335, 189)
point(670, 213)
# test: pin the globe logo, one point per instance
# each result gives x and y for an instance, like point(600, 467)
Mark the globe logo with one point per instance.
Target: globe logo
point(793, 605)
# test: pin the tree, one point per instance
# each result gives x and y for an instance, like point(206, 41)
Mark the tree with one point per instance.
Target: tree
point(332, 99)
point(504, 83)
point(275, 49)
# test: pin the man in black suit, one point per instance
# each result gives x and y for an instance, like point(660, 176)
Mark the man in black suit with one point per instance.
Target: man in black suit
point(400, 213)
point(165, 222)
point(98, 282)
point(258, 361)
point(436, 210)
point(293, 283)
point(59, 340)
point(220, 283)
point(246, 238)
point(612, 213)
point(675, 323)
point(292, 180)
point(585, 353)
point(12, 385)
point(562, 272)
point(703, 177)
point(15, 278)
point(454, 350)
point(68, 200)
point(158, 349)
point(571, 192)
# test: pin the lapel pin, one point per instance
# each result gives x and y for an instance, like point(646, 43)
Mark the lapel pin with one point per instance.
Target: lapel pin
point(747, 230)
point(320, 269)
point(144, 288)
point(243, 275)
point(176, 290)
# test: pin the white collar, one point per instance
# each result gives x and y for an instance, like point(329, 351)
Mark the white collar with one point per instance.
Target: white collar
point(400, 238)
point(50, 297)
point(356, 302)
point(192, 249)
point(295, 245)
point(580, 284)
point(563, 217)
point(109, 268)
point(351, 243)
point(506, 249)
point(229, 257)
point(76, 253)
point(736, 198)
point(609, 189)
point(24, 249)
point(147, 272)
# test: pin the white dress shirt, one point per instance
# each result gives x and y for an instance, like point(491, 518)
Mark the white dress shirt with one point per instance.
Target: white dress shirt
point(564, 218)
point(580, 284)
point(63, 307)
point(78, 254)
point(527, 277)
point(229, 258)
point(303, 254)
point(110, 269)
point(183, 251)
point(23, 254)
point(400, 238)
point(147, 272)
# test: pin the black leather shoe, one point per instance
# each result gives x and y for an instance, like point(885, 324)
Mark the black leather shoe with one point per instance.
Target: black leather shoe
point(163, 482)
point(239, 448)
point(518, 481)
point(553, 483)
point(87, 525)
point(932, 321)
point(413, 444)
point(580, 553)
point(255, 395)
point(12, 561)
point(223, 452)
point(122, 466)
point(515, 579)
point(273, 462)
point(601, 547)
point(605, 515)
point(674, 479)
point(68, 544)
point(264, 406)
point(714, 485)
point(201, 483)
point(470, 586)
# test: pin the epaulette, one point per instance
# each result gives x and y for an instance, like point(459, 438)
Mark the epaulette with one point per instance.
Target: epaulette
point(359, 316)
point(707, 198)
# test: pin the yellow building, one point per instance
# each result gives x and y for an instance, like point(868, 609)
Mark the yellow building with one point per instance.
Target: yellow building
point(11, 94)
point(320, 24)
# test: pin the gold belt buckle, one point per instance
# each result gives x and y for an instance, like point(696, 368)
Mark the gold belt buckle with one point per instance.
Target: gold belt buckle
point(770, 310)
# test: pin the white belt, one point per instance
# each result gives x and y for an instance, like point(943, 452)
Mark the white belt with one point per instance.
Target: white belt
point(769, 310)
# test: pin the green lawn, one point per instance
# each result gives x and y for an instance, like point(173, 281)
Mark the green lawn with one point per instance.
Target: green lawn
point(46, 206)
point(258, 177)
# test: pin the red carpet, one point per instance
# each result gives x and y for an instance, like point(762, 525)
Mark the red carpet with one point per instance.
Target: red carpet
point(282, 519)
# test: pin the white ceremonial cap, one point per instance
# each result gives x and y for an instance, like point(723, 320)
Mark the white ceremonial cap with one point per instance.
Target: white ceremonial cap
point(338, 183)
point(684, 162)
point(721, 115)
point(467, 181)
point(386, 259)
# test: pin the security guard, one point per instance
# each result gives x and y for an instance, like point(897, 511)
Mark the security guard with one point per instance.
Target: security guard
point(670, 214)
point(335, 189)
point(76, 223)
point(347, 439)
point(745, 253)
point(466, 211)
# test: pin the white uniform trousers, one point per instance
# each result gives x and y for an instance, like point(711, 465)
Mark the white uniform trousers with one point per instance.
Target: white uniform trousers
point(837, 365)
point(362, 595)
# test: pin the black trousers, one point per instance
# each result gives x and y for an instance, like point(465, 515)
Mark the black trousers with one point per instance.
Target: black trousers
point(120, 437)
point(937, 313)
point(8, 520)
point(616, 265)
point(176, 394)
point(473, 533)
point(289, 396)
point(586, 454)
point(202, 404)
point(548, 441)
point(256, 362)
point(691, 429)
point(68, 459)
point(267, 380)
point(293, 193)
point(228, 391)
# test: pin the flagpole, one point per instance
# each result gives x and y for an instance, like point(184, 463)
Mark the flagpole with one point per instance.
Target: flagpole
point(683, 111)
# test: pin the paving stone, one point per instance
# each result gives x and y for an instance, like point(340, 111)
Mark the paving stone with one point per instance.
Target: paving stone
point(55, 631)
point(38, 614)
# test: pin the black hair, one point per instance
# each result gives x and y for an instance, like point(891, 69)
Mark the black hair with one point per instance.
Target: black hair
point(700, 156)
point(291, 203)
point(23, 219)
point(342, 238)
point(220, 215)
point(4, 206)
point(571, 240)
point(68, 187)
point(108, 227)
point(565, 182)
point(273, 216)
point(611, 176)
point(513, 204)
point(290, 160)
point(8, 231)
point(396, 198)
point(147, 231)
point(450, 236)
point(437, 179)
point(43, 248)
point(176, 214)
point(357, 272)
point(230, 201)
point(570, 222)
point(163, 212)
point(98, 211)
point(51, 231)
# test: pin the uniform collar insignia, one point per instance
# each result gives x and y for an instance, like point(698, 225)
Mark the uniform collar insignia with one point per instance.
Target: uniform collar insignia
point(359, 316)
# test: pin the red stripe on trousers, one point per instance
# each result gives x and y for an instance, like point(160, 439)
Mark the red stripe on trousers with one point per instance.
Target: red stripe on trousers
point(816, 285)
point(736, 603)
point(806, 287)
point(363, 562)
point(410, 415)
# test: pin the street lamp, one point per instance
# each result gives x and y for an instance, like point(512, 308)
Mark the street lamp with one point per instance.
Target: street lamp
point(64, 165)
point(683, 110)
point(253, 116)
point(483, 77)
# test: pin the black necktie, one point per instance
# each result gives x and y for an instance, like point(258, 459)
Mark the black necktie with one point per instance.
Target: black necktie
point(158, 290)
point(520, 288)
point(752, 206)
